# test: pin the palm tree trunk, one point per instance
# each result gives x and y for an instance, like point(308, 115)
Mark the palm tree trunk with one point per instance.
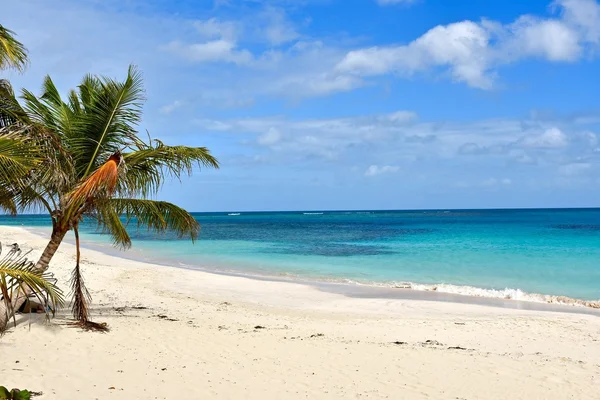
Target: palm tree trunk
point(55, 240)
point(42, 265)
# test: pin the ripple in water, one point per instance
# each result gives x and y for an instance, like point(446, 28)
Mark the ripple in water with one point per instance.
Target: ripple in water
point(578, 227)
point(332, 250)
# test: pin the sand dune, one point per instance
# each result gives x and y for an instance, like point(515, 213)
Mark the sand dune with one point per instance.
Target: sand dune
point(188, 334)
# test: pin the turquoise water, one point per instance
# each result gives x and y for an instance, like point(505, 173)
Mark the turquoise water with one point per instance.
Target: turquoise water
point(554, 252)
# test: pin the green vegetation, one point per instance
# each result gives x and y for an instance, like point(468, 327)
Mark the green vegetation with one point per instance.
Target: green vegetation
point(14, 394)
point(12, 52)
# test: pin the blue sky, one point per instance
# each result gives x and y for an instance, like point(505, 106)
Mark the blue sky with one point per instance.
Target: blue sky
point(356, 104)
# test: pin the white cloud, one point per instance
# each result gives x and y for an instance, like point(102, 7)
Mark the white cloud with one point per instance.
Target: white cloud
point(277, 29)
point(551, 138)
point(211, 51)
point(320, 84)
point(460, 46)
point(169, 108)
point(584, 15)
point(467, 51)
point(375, 170)
point(214, 28)
point(222, 38)
point(591, 138)
point(402, 117)
point(521, 157)
point(269, 138)
point(550, 39)
point(490, 182)
point(575, 169)
point(386, 140)
point(264, 53)
point(472, 51)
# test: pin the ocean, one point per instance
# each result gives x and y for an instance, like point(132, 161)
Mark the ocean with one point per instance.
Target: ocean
point(533, 254)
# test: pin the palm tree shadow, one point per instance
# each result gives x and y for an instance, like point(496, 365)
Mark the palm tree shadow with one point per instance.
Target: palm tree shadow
point(63, 317)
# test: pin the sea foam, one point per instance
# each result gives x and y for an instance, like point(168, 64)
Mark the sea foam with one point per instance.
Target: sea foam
point(507, 293)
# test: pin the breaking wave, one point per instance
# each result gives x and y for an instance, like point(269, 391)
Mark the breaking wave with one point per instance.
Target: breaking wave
point(508, 294)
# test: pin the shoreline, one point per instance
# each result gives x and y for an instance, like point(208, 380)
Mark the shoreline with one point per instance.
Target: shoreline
point(439, 292)
point(177, 333)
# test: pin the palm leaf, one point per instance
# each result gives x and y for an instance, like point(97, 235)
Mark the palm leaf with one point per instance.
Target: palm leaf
point(12, 52)
point(157, 216)
point(147, 167)
point(28, 169)
point(113, 109)
point(111, 223)
point(17, 155)
point(17, 273)
point(7, 204)
point(10, 110)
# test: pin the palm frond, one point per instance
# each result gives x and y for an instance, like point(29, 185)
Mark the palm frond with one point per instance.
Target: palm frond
point(38, 111)
point(18, 273)
point(29, 171)
point(157, 216)
point(11, 111)
point(12, 52)
point(7, 204)
point(111, 223)
point(147, 167)
point(17, 155)
point(50, 110)
point(113, 109)
point(81, 297)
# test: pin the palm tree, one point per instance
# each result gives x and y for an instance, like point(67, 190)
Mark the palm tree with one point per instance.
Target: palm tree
point(97, 167)
point(13, 54)
point(19, 153)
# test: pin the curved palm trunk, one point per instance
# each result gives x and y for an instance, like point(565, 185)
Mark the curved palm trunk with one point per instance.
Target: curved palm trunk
point(55, 240)
point(42, 265)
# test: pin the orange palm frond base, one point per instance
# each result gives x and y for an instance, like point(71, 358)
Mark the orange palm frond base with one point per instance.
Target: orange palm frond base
point(103, 180)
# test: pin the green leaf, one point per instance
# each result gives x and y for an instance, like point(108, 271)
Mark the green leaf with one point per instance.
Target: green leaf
point(4, 393)
point(111, 223)
point(16, 272)
point(115, 109)
point(147, 167)
point(158, 216)
point(17, 394)
point(12, 52)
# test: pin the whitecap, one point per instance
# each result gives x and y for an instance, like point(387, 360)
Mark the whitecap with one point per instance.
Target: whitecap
point(507, 293)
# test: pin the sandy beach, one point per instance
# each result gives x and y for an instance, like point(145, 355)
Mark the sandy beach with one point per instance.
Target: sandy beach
point(179, 333)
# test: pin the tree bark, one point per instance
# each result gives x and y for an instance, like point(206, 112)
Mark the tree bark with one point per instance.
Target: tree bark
point(41, 266)
point(55, 240)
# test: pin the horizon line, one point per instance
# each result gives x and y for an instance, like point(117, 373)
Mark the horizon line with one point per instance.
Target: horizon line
point(368, 210)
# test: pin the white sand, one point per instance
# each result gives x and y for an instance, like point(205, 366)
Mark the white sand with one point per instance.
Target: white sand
point(212, 351)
